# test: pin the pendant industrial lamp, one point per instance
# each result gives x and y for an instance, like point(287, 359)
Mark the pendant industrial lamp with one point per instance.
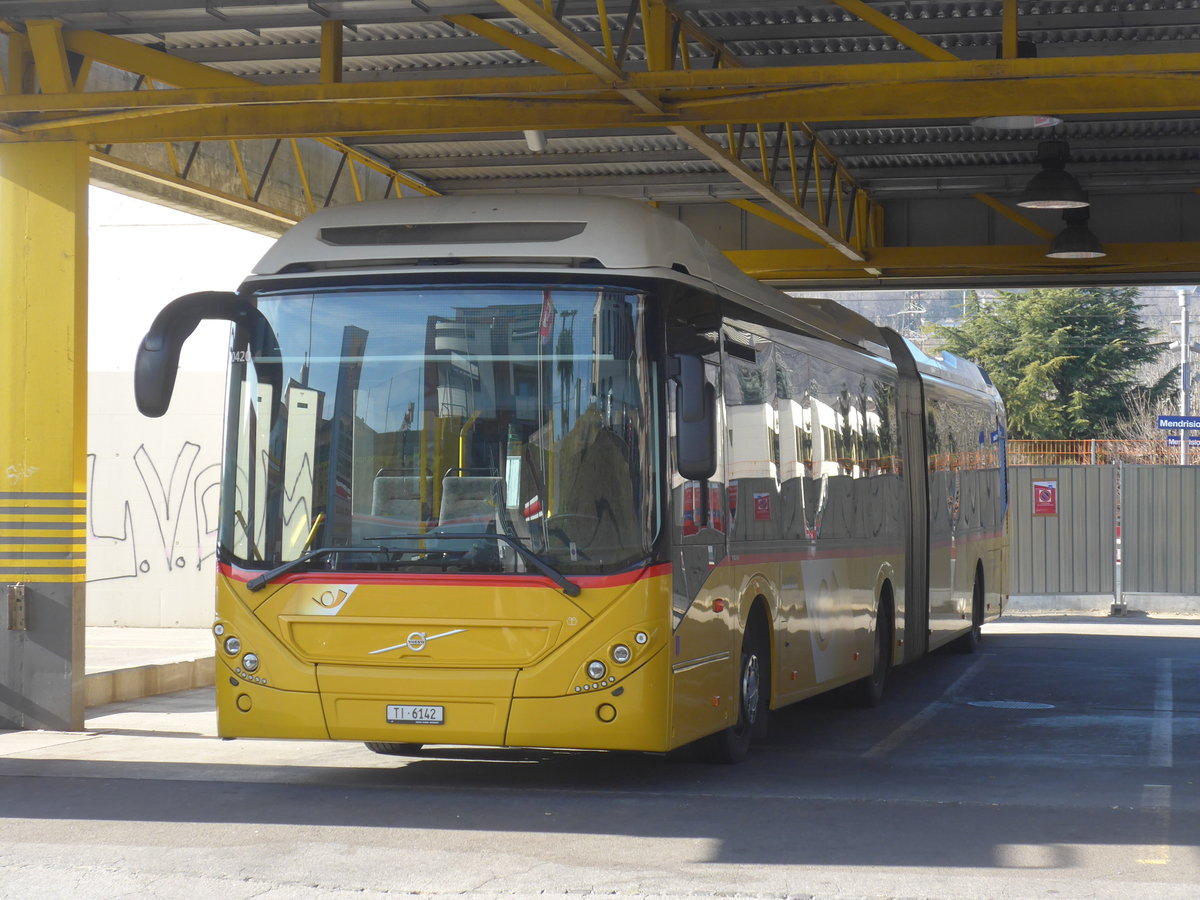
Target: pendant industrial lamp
point(1053, 187)
point(1076, 241)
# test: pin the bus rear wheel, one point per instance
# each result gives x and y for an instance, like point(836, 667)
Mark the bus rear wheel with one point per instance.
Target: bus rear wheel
point(390, 749)
point(969, 642)
point(732, 744)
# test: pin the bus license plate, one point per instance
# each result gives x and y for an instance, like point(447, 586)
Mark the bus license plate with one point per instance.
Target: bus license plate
point(416, 715)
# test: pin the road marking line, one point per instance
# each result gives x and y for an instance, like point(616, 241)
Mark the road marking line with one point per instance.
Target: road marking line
point(1161, 733)
point(904, 731)
point(1156, 799)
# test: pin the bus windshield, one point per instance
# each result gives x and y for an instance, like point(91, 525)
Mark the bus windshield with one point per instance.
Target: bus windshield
point(437, 428)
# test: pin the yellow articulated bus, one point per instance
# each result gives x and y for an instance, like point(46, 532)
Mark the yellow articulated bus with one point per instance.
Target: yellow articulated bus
point(549, 471)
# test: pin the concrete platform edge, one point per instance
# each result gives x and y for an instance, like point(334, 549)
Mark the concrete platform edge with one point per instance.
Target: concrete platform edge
point(144, 681)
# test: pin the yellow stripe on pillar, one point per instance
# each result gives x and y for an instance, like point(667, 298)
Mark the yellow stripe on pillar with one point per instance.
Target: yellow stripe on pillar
point(43, 536)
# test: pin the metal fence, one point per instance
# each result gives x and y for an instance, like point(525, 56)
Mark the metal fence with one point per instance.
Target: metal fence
point(1067, 546)
point(1160, 518)
point(1079, 530)
point(1093, 453)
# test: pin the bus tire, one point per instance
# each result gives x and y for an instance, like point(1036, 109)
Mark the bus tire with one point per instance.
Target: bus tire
point(391, 749)
point(969, 642)
point(867, 692)
point(731, 745)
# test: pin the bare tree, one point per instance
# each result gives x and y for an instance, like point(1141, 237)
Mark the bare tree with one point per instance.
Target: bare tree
point(1140, 420)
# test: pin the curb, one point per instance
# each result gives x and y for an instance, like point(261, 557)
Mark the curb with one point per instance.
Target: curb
point(101, 688)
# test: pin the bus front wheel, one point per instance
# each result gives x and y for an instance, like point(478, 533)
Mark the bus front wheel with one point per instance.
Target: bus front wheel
point(730, 745)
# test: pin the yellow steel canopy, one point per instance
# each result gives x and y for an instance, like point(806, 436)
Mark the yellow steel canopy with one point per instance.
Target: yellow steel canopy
point(826, 142)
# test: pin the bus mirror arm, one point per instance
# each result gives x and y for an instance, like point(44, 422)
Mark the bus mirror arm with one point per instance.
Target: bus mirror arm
point(158, 354)
point(695, 421)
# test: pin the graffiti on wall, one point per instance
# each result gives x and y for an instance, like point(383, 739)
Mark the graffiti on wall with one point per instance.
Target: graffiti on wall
point(156, 517)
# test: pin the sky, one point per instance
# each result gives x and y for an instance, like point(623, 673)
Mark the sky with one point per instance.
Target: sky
point(141, 257)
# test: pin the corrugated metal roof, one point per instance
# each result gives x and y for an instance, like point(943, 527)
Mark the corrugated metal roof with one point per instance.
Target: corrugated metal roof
point(279, 42)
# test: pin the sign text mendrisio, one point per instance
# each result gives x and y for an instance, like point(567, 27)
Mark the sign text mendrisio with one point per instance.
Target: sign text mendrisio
point(1179, 421)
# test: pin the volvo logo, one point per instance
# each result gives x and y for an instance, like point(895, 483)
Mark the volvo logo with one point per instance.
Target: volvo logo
point(416, 641)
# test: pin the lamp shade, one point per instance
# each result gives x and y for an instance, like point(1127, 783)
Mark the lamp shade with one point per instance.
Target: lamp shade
point(1053, 187)
point(1076, 241)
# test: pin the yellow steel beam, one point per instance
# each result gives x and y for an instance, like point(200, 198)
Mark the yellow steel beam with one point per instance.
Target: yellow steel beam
point(542, 21)
point(1101, 85)
point(655, 21)
point(81, 77)
point(106, 161)
point(299, 157)
point(656, 34)
point(970, 262)
point(1008, 40)
point(143, 60)
point(892, 28)
point(865, 207)
point(715, 152)
point(1013, 216)
point(775, 219)
point(331, 51)
point(605, 30)
point(527, 48)
point(50, 55)
point(184, 74)
point(987, 81)
point(241, 168)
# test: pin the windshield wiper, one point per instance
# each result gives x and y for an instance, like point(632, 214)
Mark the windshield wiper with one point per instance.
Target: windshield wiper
point(257, 584)
point(570, 588)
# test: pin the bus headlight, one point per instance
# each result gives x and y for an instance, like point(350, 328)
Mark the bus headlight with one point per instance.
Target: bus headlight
point(250, 662)
point(621, 654)
point(232, 645)
point(596, 670)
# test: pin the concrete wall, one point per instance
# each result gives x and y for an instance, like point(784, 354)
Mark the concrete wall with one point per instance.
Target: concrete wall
point(152, 503)
point(152, 497)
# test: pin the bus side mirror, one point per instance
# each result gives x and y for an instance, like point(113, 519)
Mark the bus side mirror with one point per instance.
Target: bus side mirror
point(158, 354)
point(695, 421)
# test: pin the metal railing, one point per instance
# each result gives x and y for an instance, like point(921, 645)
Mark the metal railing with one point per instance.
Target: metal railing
point(1091, 453)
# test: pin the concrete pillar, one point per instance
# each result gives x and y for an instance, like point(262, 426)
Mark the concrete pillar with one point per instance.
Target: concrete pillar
point(43, 439)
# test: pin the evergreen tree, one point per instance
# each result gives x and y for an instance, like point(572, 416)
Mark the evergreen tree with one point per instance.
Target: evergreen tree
point(1065, 360)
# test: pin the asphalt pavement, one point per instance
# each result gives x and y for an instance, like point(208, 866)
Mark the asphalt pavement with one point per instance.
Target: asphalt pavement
point(1059, 761)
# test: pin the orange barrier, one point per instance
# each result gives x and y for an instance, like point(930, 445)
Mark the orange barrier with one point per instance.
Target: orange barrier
point(1094, 453)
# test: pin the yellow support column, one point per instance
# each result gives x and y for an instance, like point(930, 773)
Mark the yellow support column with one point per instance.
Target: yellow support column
point(43, 422)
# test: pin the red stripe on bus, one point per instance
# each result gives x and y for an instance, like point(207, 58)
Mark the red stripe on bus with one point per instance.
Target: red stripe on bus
point(808, 553)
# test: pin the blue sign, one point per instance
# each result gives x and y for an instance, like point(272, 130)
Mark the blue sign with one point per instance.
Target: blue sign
point(1173, 441)
point(1179, 421)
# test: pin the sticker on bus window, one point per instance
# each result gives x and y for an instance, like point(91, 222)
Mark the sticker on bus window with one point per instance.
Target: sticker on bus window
point(715, 519)
point(691, 500)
